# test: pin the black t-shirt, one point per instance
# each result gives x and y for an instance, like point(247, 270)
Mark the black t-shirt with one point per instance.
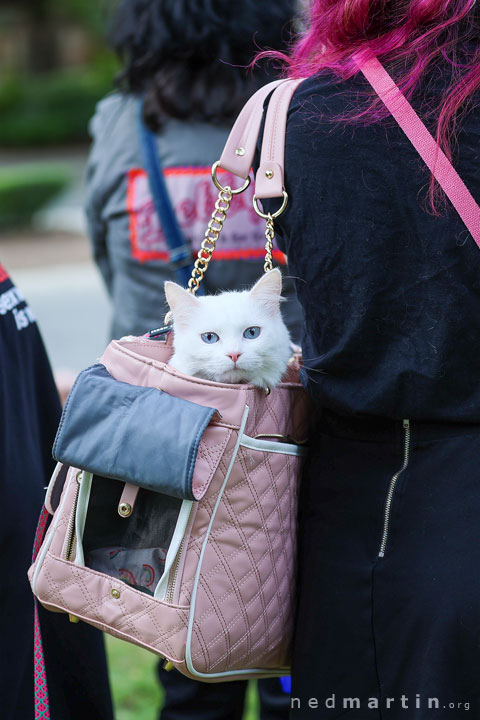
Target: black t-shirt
point(29, 414)
point(29, 410)
point(390, 292)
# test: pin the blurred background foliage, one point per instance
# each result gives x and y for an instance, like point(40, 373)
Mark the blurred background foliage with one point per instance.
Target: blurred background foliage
point(53, 108)
point(54, 67)
point(25, 188)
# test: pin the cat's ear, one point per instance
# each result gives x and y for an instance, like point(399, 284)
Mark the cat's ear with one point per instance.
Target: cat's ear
point(267, 290)
point(179, 300)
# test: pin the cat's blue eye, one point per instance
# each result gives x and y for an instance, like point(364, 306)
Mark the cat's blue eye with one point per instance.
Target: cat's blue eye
point(252, 332)
point(210, 337)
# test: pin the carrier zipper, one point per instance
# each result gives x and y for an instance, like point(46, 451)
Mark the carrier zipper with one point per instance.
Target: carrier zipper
point(171, 585)
point(71, 535)
point(393, 482)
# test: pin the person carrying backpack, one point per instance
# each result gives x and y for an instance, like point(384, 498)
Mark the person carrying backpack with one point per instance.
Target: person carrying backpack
point(388, 276)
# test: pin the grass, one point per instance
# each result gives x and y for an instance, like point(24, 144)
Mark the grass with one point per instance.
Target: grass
point(137, 695)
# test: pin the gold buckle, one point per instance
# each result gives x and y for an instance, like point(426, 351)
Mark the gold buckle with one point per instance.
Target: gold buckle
point(220, 187)
point(265, 216)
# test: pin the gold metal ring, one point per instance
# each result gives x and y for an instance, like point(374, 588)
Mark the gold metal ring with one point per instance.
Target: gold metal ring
point(272, 215)
point(220, 187)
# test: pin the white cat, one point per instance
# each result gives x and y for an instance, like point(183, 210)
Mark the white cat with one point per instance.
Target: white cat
point(233, 337)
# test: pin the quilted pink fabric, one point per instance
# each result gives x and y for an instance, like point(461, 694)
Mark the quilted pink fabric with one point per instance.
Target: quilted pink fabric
point(238, 596)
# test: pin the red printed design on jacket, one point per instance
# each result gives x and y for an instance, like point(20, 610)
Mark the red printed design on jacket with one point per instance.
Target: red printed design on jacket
point(3, 274)
point(193, 196)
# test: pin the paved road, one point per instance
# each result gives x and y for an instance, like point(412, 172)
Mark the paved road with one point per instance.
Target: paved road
point(65, 292)
point(52, 265)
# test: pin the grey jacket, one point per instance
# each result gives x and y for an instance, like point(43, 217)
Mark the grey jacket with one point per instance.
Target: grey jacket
point(128, 243)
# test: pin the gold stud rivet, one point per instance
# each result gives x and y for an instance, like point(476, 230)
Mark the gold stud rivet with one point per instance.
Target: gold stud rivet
point(269, 174)
point(115, 593)
point(240, 151)
point(124, 509)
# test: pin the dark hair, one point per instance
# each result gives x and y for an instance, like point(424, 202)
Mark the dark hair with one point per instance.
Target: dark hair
point(189, 57)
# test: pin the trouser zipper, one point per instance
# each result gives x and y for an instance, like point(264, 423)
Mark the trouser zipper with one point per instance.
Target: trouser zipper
point(393, 482)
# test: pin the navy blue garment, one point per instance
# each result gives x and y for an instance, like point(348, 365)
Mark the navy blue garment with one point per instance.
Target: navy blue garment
point(390, 293)
point(389, 562)
point(406, 623)
point(187, 699)
point(29, 415)
point(180, 251)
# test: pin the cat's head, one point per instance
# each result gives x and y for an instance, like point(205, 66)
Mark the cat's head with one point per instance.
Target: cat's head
point(233, 337)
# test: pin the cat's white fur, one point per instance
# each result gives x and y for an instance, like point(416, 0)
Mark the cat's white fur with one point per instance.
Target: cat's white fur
point(262, 361)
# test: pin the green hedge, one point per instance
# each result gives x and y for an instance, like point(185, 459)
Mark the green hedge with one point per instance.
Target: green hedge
point(24, 189)
point(52, 109)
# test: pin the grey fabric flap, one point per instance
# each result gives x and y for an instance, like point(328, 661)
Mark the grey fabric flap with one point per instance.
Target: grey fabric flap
point(131, 433)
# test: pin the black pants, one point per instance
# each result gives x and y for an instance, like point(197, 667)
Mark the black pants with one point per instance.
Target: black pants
point(388, 619)
point(187, 699)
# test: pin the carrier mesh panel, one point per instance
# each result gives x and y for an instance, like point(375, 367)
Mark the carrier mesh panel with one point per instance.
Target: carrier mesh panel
point(131, 549)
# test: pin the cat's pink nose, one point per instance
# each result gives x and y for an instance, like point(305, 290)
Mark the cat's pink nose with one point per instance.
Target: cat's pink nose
point(234, 356)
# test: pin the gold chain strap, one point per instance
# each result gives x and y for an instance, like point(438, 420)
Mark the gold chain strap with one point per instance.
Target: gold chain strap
point(269, 235)
point(212, 232)
point(215, 227)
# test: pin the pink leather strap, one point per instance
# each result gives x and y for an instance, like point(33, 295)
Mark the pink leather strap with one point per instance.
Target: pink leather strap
point(424, 143)
point(269, 180)
point(237, 155)
point(127, 499)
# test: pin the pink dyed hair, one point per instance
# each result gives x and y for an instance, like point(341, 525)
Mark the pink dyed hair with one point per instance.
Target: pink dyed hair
point(413, 37)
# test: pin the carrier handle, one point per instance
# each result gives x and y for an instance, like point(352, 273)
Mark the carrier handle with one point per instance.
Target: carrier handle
point(237, 155)
point(237, 158)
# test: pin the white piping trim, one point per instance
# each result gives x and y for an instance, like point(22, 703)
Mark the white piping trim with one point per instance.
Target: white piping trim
point(272, 446)
point(188, 647)
point(45, 545)
point(178, 535)
point(50, 485)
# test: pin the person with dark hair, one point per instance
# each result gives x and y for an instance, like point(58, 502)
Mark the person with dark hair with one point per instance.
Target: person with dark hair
point(74, 655)
point(388, 620)
point(188, 57)
point(184, 72)
point(186, 60)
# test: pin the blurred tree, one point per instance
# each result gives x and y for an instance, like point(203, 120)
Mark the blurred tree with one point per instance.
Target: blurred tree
point(42, 43)
point(54, 67)
point(91, 14)
point(45, 19)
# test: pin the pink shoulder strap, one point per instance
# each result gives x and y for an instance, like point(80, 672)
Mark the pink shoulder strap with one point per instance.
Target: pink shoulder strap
point(270, 174)
point(424, 144)
point(237, 156)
